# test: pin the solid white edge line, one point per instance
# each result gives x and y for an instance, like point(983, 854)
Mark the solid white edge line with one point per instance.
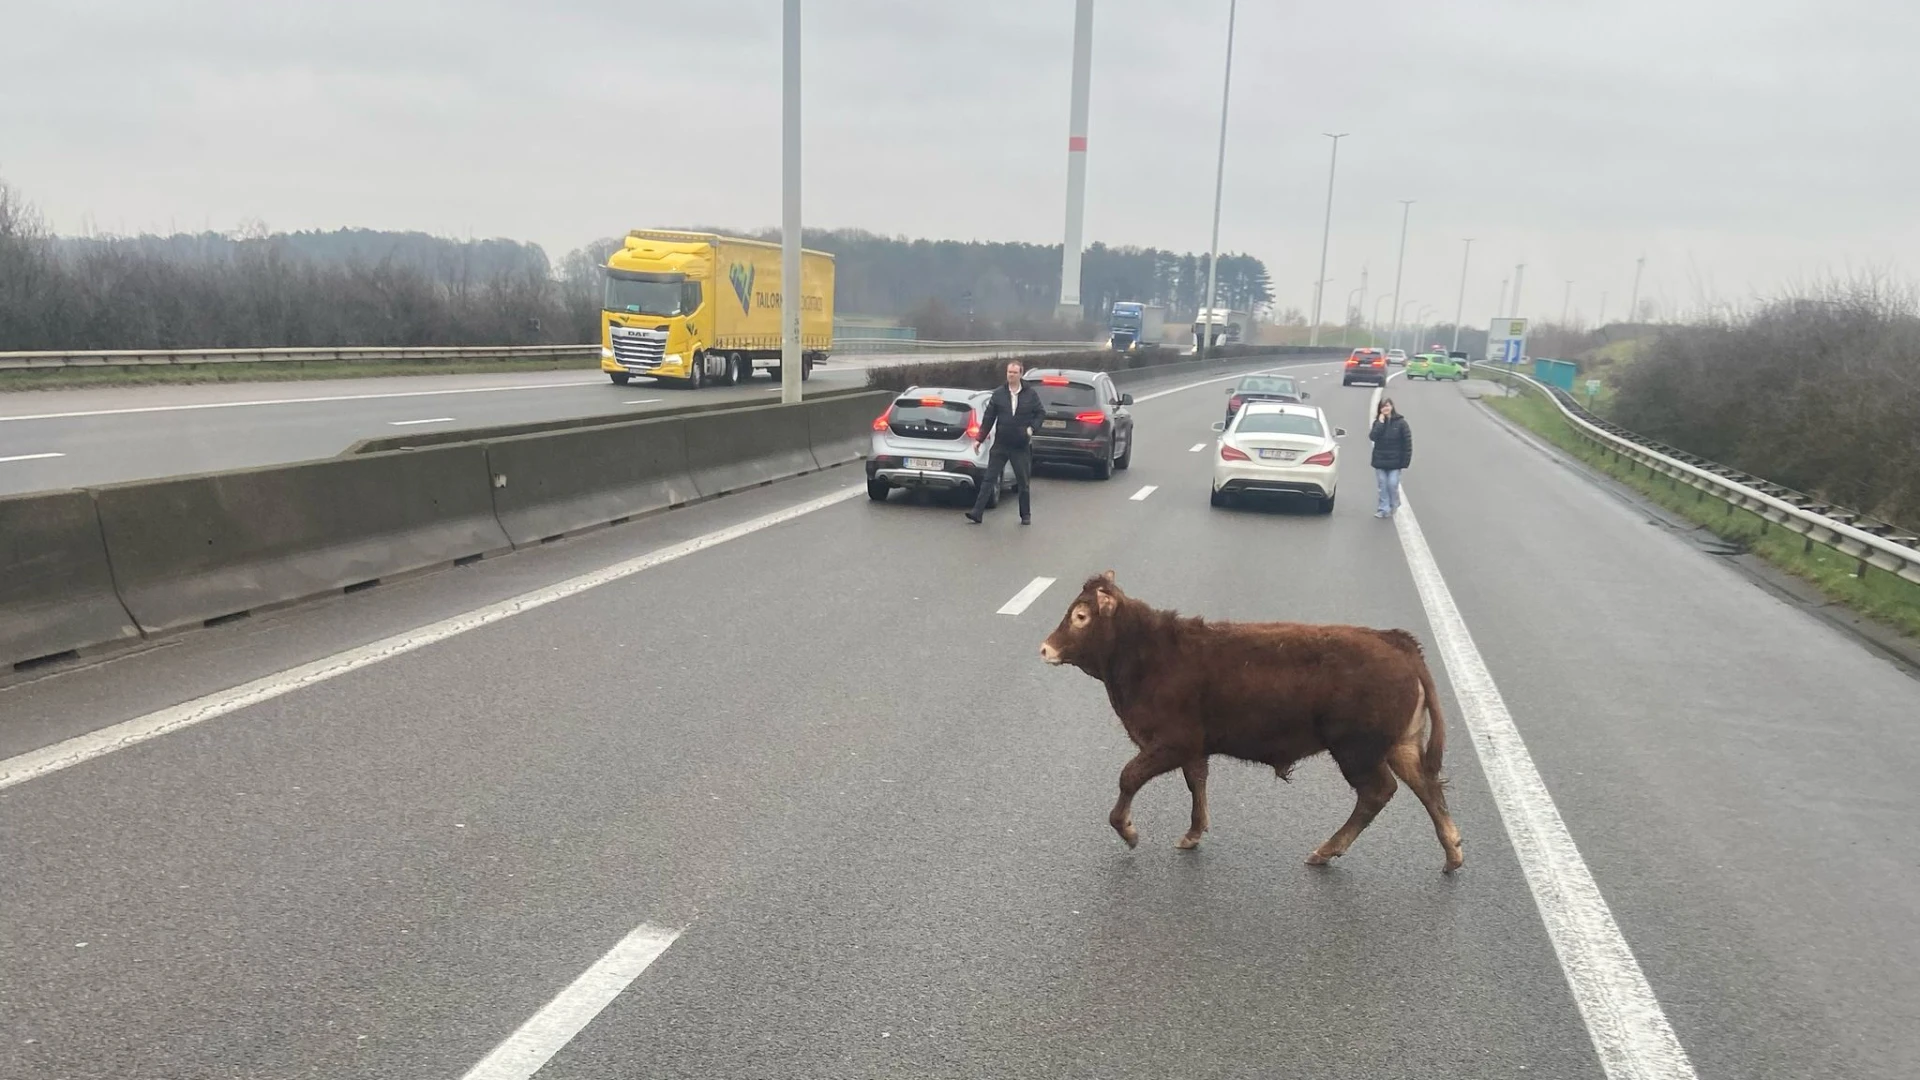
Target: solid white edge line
point(1630, 1033)
point(527, 1050)
point(410, 423)
point(1025, 596)
point(1141, 495)
point(193, 407)
point(29, 457)
point(61, 755)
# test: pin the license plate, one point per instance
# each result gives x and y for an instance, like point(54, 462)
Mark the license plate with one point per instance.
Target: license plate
point(925, 463)
point(1053, 423)
point(1279, 455)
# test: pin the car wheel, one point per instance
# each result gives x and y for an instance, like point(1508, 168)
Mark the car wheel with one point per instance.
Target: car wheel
point(619, 378)
point(697, 372)
point(1104, 470)
point(1125, 459)
point(877, 490)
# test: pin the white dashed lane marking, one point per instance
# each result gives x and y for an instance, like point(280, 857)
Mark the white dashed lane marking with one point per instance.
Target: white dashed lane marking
point(1140, 496)
point(1196, 448)
point(1025, 596)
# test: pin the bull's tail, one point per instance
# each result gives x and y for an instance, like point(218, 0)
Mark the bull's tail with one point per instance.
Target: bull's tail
point(1436, 726)
point(1436, 723)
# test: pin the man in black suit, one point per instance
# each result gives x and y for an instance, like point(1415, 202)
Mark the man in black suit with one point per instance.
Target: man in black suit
point(1012, 414)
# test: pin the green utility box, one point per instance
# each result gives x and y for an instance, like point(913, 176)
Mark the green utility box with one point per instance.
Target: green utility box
point(1557, 373)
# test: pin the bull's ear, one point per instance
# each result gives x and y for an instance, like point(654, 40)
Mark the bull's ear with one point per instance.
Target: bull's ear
point(1106, 602)
point(1107, 575)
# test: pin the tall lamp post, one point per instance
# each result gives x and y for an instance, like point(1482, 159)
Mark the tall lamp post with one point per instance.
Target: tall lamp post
point(1326, 230)
point(1219, 176)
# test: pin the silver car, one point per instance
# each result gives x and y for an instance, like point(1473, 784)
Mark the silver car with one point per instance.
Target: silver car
point(925, 441)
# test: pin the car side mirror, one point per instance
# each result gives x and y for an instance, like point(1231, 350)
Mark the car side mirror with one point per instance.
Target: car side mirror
point(1219, 425)
point(1339, 433)
point(1305, 396)
point(1126, 399)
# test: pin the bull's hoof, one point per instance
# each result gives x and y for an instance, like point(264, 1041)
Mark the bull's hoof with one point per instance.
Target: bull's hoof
point(1454, 862)
point(1187, 842)
point(1322, 858)
point(1130, 835)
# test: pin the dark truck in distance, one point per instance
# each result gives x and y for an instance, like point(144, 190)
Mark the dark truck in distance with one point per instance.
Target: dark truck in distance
point(1263, 388)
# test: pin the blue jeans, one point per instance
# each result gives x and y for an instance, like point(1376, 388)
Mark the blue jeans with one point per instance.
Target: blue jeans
point(1389, 481)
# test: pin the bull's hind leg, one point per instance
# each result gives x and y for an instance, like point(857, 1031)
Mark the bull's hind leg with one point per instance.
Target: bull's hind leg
point(1404, 760)
point(1373, 789)
point(1148, 763)
point(1196, 773)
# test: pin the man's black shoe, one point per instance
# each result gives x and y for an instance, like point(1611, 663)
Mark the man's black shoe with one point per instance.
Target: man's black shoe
point(973, 517)
point(1026, 521)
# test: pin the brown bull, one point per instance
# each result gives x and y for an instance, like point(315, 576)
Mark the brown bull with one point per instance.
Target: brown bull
point(1273, 693)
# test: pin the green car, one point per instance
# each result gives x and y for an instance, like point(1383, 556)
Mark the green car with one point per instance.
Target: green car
point(1435, 366)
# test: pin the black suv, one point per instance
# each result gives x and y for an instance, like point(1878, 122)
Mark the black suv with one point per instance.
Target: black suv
point(1088, 420)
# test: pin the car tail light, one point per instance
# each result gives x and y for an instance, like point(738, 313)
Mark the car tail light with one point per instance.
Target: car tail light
point(973, 424)
point(1054, 380)
point(1379, 363)
point(1230, 453)
point(1091, 417)
point(1353, 361)
point(1234, 403)
point(880, 422)
point(1324, 457)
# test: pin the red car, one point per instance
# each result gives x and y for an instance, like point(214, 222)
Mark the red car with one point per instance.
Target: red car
point(1365, 365)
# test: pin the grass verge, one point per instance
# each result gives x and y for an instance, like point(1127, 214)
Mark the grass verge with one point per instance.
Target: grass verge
point(1878, 595)
point(279, 371)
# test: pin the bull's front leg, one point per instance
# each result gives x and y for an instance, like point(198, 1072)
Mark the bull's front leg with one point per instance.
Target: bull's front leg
point(1197, 786)
point(1150, 762)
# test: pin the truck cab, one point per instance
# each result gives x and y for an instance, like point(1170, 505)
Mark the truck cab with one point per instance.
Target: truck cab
point(1126, 323)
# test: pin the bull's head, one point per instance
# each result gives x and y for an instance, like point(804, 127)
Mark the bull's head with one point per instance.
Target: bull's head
point(1087, 628)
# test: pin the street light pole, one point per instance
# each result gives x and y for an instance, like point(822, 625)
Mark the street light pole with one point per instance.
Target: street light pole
point(792, 294)
point(1406, 209)
point(1326, 230)
point(1219, 177)
point(1460, 306)
point(1566, 302)
point(1373, 328)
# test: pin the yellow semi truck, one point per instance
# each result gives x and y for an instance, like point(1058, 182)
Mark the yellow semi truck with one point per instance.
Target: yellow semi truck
point(702, 309)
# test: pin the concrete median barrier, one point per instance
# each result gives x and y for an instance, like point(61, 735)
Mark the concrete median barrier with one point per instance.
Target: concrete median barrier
point(728, 451)
point(56, 589)
point(841, 429)
point(192, 549)
point(558, 482)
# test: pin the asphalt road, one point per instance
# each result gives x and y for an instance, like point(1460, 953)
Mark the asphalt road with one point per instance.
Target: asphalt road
point(819, 761)
point(72, 438)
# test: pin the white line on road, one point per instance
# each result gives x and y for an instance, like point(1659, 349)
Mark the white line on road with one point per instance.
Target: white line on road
point(51, 759)
point(29, 457)
point(1025, 596)
point(1196, 448)
point(1141, 495)
point(1630, 1033)
point(643, 401)
point(291, 401)
point(524, 1052)
point(410, 423)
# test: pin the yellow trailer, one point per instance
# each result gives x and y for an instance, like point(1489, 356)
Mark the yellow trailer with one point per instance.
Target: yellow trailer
point(700, 308)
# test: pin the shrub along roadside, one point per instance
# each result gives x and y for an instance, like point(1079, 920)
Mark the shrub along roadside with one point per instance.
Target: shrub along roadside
point(1878, 595)
point(989, 372)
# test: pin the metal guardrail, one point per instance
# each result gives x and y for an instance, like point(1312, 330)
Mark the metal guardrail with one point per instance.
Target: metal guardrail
point(1874, 543)
point(25, 361)
point(137, 358)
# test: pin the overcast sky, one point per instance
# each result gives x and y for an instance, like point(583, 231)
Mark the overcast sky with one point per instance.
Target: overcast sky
point(1738, 144)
